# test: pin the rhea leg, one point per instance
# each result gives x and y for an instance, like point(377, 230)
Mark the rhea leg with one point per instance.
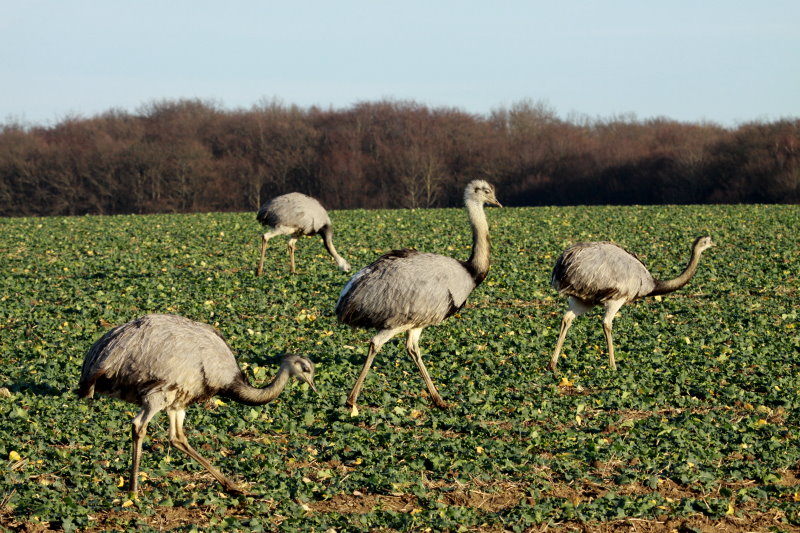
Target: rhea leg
point(150, 406)
point(374, 347)
point(178, 439)
point(576, 309)
point(280, 230)
point(264, 239)
point(292, 248)
point(608, 319)
point(412, 346)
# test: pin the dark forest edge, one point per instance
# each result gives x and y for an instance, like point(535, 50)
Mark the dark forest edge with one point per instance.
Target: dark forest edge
point(192, 155)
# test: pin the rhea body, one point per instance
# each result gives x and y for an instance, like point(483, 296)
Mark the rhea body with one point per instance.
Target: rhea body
point(296, 214)
point(603, 273)
point(407, 290)
point(168, 362)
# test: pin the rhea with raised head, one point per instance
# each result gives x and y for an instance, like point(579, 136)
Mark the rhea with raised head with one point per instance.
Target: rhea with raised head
point(407, 290)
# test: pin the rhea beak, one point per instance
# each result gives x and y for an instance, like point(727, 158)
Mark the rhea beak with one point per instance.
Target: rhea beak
point(310, 382)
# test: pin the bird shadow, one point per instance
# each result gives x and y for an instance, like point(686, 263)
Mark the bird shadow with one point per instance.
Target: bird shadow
point(38, 389)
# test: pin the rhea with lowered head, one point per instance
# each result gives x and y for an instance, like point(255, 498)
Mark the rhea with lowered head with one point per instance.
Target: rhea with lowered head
point(168, 362)
point(603, 273)
point(296, 214)
point(406, 290)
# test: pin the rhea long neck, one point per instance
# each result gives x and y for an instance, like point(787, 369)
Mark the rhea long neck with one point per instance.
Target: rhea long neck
point(327, 239)
point(666, 286)
point(478, 262)
point(245, 393)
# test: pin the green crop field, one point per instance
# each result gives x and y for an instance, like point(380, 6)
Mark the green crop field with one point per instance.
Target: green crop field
point(699, 427)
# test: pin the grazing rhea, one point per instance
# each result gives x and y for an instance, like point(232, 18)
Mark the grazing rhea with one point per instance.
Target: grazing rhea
point(296, 214)
point(407, 290)
point(167, 362)
point(595, 273)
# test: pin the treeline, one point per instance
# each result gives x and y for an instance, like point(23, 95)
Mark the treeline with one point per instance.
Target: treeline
point(190, 155)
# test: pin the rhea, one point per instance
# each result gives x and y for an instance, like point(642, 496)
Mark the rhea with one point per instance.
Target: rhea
point(406, 290)
point(168, 362)
point(603, 273)
point(296, 214)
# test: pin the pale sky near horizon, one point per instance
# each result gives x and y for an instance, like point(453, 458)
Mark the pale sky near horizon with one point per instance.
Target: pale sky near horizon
point(723, 61)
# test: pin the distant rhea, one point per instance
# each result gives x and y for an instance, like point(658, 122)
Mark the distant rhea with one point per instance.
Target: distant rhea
point(168, 362)
point(407, 290)
point(602, 273)
point(296, 214)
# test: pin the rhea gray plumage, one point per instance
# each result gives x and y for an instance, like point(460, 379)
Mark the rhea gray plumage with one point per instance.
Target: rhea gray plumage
point(296, 214)
point(603, 273)
point(168, 362)
point(407, 290)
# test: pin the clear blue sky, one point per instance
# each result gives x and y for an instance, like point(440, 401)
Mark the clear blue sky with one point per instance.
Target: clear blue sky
point(723, 61)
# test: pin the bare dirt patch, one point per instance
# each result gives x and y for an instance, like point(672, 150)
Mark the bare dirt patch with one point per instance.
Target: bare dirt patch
point(358, 503)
